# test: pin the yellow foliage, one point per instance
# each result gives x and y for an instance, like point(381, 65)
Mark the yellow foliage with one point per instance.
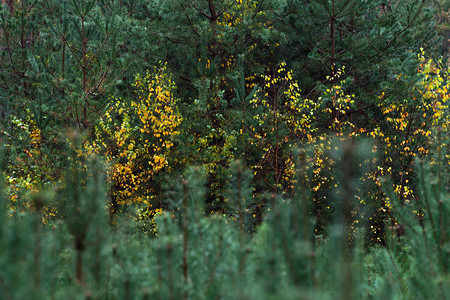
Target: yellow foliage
point(136, 136)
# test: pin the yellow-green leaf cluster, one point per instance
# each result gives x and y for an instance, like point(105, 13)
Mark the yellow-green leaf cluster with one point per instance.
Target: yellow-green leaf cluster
point(137, 136)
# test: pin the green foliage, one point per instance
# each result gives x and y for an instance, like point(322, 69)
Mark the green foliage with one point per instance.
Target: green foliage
point(250, 161)
point(194, 255)
point(424, 251)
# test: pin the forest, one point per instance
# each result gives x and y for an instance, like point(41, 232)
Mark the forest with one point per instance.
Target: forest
point(224, 149)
